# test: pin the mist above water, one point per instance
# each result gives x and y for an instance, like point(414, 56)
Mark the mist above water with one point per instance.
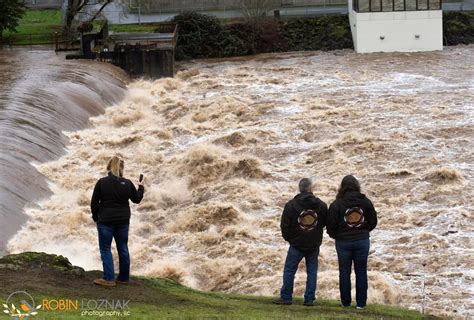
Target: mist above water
point(224, 143)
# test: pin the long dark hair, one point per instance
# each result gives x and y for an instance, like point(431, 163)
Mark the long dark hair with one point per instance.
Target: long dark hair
point(349, 183)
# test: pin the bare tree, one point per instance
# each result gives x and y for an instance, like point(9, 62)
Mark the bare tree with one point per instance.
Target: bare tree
point(74, 7)
point(90, 8)
point(256, 10)
point(144, 5)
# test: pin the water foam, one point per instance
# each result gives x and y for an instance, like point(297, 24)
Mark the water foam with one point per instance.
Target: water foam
point(223, 145)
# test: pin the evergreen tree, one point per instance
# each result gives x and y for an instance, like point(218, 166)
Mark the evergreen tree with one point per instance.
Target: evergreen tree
point(11, 11)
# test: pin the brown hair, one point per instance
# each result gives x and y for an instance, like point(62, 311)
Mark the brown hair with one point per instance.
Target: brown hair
point(115, 166)
point(349, 183)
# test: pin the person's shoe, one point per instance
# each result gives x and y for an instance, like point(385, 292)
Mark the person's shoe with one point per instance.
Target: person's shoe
point(105, 283)
point(345, 306)
point(308, 303)
point(360, 308)
point(122, 282)
point(282, 302)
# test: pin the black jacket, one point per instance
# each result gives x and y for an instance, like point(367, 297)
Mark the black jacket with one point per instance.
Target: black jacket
point(290, 230)
point(338, 229)
point(109, 203)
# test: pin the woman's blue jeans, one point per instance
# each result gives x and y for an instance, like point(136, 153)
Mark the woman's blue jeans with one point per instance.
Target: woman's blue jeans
point(120, 234)
point(358, 252)
point(293, 259)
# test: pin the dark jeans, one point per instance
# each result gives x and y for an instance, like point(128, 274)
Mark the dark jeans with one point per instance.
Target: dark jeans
point(120, 234)
point(347, 252)
point(293, 258)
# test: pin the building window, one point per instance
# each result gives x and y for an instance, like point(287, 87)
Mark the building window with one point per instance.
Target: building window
point(387, 5)
point(395, 5)
point(399, 5)
point(411, 5)
point(422, 5)
point(434, 4)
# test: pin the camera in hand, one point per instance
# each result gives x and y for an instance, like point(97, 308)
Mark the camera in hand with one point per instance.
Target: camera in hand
point(141, 178)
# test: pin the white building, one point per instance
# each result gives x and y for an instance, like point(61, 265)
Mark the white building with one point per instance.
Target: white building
point(396, 25)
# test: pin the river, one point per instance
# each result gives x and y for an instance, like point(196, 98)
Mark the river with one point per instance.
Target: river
point(224, 144)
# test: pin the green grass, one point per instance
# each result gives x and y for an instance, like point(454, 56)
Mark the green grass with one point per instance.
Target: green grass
point(135, 27)
point(40, 21)
point(36, 27)
point(174, 301)
point(49, 277)
point(48, 21)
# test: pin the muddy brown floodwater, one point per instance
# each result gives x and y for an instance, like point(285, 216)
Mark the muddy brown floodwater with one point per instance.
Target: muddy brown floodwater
point(42, 94)
point(225, 142)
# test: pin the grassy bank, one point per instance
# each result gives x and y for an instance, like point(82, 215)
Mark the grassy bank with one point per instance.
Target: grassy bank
point(36, 27)
point(135, 27)
point(50, 278)
point(40, 21)
point(49, 21)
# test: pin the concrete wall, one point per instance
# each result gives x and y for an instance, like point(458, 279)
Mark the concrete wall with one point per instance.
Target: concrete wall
point(152, 64)
point(399, 30)
point(352, 23)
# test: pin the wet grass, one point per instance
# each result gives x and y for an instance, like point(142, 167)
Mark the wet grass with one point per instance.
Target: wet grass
point(36, 27)
point(50, 279)
point(135, 27)
point(39, 26)
point(40, 21)
point(169, 300)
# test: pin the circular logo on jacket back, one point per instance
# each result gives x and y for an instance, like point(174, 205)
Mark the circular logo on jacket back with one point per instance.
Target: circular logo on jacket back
point(354, 217)
point(307, 220)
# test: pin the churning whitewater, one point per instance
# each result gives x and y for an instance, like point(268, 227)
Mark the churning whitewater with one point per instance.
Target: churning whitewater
point(224, 143)
point(37, 102)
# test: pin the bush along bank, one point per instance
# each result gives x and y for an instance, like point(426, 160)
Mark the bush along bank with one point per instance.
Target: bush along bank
point(458, 27)
point(202, 36)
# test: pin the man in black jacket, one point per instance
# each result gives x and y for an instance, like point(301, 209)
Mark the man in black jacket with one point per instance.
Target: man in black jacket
point(302, 223)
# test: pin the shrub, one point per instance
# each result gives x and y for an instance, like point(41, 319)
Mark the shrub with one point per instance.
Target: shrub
point(237, 39)
point(269, 37)
point(458, 27)
point(321, 33)
point(202, 36)
point(198, 36)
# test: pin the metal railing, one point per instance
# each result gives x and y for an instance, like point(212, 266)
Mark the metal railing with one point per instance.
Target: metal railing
point(166, 38)
point(55, 40)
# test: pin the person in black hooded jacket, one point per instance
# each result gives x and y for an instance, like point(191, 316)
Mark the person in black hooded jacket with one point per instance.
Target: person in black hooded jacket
point(350, 219)
point(302, 223)
point(111, 211)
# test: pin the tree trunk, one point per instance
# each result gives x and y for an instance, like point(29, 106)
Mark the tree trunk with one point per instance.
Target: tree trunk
point(73, 8)
point(70, 14)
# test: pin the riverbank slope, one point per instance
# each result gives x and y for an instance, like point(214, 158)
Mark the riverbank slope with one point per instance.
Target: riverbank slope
point(51, 278)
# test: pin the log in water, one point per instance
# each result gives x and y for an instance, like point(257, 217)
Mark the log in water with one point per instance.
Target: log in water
point(225, 142)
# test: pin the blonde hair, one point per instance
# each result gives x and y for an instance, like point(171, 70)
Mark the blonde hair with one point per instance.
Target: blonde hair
point(115, 166)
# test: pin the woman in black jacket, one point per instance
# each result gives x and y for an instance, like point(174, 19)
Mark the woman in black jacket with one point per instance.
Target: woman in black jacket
point(350, 219)
point(111, 212)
